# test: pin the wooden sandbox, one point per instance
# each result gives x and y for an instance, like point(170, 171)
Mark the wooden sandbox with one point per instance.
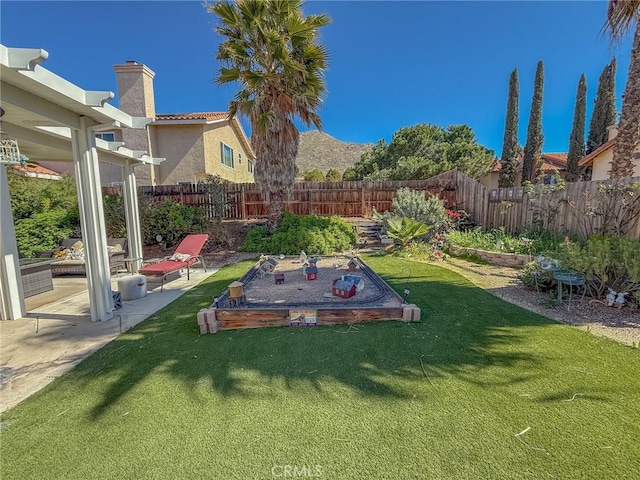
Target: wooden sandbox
point(301, 302)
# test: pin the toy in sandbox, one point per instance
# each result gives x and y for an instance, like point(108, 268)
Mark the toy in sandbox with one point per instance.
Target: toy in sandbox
point(310, 268)
point(352, 265)
point(236, 294)
point(347, 286)
point(267, 265)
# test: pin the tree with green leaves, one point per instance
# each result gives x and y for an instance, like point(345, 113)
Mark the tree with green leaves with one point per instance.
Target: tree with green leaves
point(510, 148)
point(270, 49)
point(532, 159)
point(622, 15)
point(333, 175)
point(604, 110)
point(349, 174)
point(314, 175)
point(425, 150)
point(576, 139)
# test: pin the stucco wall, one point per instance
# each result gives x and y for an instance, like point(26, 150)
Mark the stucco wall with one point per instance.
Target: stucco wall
point(223, 132)
point(602, 165)
point(182, 147)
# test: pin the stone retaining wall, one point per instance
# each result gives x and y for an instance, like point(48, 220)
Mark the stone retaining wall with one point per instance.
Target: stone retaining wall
point(495, 258)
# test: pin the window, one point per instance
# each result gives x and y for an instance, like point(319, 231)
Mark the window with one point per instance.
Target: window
point(250, 166)
point(239, 159)
point(227, 155)
point(107, 136)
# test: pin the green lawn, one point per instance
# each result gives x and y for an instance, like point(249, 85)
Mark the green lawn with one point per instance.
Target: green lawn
point(444, 398)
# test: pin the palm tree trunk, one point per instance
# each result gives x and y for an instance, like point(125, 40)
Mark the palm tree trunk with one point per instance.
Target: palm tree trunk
point(276, 207)
point(629, 128)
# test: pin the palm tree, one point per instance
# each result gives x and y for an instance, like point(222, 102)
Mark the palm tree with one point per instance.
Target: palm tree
point(270, 49)
point(621, 16)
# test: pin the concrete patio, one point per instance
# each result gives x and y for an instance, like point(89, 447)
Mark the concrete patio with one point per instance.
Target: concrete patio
point(58, 333)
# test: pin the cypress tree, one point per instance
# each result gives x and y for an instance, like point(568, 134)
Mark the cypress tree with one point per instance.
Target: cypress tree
point(576, 139)
point(532, 160)
point(604, 110)
point(509, 157)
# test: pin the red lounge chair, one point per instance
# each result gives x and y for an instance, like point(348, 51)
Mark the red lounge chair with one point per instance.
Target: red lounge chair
point(186, 255)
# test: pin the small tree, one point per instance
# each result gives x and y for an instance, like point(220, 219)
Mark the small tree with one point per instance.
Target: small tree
point(604, 110)
point(349, 175)
point(510, 147)
point(314, 175)
point(576, 139)
point(333, 175)
point(532, 160)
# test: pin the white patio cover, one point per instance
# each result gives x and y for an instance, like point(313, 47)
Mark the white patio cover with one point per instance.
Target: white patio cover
point(53, 119)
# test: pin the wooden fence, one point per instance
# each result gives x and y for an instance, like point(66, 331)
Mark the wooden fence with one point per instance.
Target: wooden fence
point(345, 199)
point(578, 210)
point(581, 209)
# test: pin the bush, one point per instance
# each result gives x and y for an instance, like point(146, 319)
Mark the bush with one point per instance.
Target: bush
point(315, 235)
point(606, 262)
point(114, 218)
point(412, 204)
point(43, 231)
point(498, 240)
point(537, 278)
point(169, 222)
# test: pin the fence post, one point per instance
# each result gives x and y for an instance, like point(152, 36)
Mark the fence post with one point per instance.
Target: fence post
point(362, 202)
point(243, 205)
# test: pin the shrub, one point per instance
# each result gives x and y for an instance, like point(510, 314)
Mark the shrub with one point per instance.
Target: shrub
point(314, 175)
point(169, 222)
point(313, 234)
point(114, 218)
point(43, 231)
point(537, 278)
point(498, 240)
point(412, 204)
point(404, 230)
point(606, 262)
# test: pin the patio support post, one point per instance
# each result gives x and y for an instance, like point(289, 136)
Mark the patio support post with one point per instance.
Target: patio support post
point(85, 160)
point(12, 305)
point(132, 216)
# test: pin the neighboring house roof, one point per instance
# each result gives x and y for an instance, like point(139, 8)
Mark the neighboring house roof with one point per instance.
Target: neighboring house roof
point(207, 117)
point(587, 160)
point(550, 162)
point(37, 171)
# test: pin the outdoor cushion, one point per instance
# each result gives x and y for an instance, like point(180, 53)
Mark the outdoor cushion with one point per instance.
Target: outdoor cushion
point(187, 253)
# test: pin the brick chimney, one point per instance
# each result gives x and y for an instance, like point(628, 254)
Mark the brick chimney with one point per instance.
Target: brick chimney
point(612, 131)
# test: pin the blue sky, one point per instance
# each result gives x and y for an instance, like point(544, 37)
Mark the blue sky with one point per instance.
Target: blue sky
point(392, 64)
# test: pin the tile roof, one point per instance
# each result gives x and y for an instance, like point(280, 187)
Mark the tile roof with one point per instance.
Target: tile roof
point(34, 170)
point(550, 162)
point(559, 158)
point(208, 116)
point(588, 159)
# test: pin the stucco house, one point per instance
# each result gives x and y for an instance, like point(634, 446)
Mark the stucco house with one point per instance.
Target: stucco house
point(552, 164)
point(599, 161)
point(194, 145)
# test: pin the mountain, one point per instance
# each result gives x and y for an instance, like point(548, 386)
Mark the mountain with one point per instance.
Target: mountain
point(322, 151)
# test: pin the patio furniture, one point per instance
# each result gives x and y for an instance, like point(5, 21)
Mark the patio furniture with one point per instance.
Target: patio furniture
point(69, 258)
point(36, 276)
point(132, 287)
point(571, 278)
point(186, 255)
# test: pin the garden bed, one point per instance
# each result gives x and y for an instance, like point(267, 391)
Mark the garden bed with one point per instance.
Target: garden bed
point(503, 259)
